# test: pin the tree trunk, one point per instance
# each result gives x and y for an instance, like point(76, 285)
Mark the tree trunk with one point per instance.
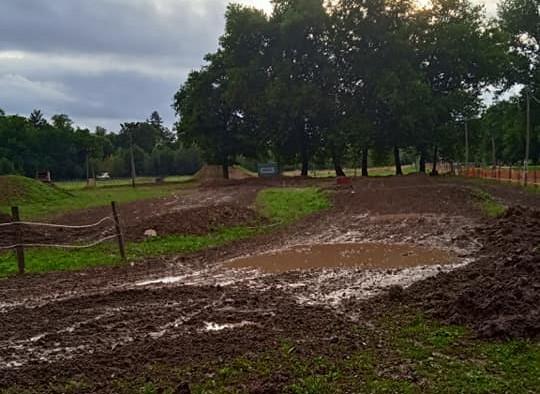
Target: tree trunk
point(225, 168)
point(493, 152)
point(305, 163)
point(337, 166)
point(422, 168)
point(397, 161)
point(434, 171)
point(365, 161)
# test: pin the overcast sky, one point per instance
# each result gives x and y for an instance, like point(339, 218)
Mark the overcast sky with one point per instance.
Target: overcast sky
point(104, 62)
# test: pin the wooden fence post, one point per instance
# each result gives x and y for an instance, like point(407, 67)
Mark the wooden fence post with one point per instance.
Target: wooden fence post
point(15, 217)
point(119, 234)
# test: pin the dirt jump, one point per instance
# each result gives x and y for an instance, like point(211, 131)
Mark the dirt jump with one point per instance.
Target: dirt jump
point(389, 243)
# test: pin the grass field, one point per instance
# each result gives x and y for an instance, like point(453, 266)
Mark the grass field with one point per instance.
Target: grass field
point(279, 205)
point(286, 205)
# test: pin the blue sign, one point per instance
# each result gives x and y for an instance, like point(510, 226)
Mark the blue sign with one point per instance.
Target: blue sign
point(268, 170)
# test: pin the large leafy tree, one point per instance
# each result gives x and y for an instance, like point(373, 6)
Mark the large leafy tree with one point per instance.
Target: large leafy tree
point(216, 105)
point(460, 55)
point(297, 93)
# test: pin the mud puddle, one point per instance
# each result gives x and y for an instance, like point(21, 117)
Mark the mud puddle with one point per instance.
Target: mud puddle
point(363, 255)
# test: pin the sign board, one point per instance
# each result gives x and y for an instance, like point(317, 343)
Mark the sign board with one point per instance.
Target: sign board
point(44, 176)
point(268, 170)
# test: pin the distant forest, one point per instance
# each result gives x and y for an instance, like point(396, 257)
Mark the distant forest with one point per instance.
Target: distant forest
point(313, 85)
point(34, 144)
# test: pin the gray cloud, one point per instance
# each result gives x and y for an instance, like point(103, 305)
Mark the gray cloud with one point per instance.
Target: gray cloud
point(105, 61)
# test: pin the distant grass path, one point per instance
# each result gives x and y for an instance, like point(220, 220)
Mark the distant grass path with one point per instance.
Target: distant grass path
point(279, 205)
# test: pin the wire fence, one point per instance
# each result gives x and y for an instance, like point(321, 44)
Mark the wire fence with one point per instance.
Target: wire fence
point(502, 174)
point(20, 227)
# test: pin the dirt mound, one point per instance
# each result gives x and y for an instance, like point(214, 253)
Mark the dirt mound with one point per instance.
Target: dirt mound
point(498, 295)
point(21, 190)
point(196, 221)
point(212, 173)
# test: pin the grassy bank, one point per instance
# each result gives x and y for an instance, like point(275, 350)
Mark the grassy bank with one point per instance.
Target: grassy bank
point(489, 206)
point(37, 200)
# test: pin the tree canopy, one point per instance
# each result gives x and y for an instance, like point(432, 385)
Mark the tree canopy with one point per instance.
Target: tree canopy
point(33, 144)
point(316, 82)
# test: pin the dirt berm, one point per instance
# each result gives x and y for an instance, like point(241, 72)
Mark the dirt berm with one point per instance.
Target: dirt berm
point(198, 221)
point(498, 295)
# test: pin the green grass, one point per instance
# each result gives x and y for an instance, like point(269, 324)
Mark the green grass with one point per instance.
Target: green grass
point(403, 353)
point(488, 204)
point(289, 204)
point(19, 190)
point(49, 259)
point(47, 200)
point(391, 170)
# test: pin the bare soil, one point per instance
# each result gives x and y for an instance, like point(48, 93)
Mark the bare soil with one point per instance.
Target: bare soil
point(109, 324)
point(498, 295)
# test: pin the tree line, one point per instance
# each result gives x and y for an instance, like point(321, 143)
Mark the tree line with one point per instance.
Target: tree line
point(357, 81)
point(32, 144)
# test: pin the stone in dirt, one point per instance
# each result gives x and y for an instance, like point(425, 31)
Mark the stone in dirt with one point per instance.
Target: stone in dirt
point(150, 233)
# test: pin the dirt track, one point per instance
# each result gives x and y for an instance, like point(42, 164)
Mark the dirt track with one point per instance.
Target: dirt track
point(110, 323)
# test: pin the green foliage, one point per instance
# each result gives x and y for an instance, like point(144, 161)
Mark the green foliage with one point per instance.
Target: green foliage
point(32, 144)
point(310, 83)
point(288, 204)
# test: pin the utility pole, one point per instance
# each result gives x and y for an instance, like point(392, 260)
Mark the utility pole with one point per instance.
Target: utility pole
point(87, 170)
point(528, 138)
point(493, 152)
point(133, 174)
point(466, 144)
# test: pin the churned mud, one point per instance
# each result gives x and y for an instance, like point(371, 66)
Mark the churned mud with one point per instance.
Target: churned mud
point(311, 282)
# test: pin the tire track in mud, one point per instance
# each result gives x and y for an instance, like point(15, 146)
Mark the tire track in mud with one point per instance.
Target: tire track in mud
point(175, 304)
point(188, 307)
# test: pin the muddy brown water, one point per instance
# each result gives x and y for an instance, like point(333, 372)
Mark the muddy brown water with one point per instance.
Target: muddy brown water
point(367, 255)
